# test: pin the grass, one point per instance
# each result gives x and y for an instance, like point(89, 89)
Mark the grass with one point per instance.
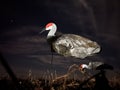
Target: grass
point(60, 84)
point(74, 79)
point(64, 82)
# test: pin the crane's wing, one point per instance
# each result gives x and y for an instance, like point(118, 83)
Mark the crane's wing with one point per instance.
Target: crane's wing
point(74, 45)
point(94, 65)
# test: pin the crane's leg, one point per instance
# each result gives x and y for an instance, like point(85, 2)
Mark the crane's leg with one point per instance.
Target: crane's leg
point(52, 51)
point(51, 61)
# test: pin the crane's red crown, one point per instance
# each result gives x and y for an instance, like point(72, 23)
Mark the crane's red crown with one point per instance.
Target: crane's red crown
point(49, 24)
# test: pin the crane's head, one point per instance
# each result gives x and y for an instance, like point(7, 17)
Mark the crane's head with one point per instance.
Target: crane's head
point(50, 26)
point(83, 67)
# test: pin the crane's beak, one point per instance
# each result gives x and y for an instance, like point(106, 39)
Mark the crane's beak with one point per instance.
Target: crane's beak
point(42, 30)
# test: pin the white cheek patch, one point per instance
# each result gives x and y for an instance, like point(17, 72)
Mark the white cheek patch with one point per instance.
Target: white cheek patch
point(49, 28)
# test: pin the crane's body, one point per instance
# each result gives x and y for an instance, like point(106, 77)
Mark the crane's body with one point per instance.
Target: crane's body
point(70, 44)
point(75, 46)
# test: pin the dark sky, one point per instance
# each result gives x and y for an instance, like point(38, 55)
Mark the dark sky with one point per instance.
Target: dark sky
point(22, 20)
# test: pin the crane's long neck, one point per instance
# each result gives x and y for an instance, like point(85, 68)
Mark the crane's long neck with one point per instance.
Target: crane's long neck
point(52, 31)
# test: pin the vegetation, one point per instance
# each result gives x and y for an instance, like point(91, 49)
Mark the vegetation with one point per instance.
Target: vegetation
point(42, 84)
point(70, 81)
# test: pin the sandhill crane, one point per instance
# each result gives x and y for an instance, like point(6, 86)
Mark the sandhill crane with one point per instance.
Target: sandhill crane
point(96, 66)
point(70, 44)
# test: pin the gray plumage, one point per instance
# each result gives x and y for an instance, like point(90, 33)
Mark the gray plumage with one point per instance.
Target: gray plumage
point(75, 46)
